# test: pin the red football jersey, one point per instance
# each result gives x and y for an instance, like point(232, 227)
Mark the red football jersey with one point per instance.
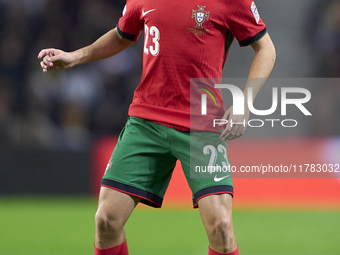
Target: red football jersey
point(183, 40)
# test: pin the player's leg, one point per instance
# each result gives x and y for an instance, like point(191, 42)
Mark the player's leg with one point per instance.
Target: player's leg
point(216, 213)
point(212, 188)
point(114, 209)
point(139, 170)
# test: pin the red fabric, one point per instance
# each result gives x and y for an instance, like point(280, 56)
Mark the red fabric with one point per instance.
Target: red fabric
point(177, 48)
point(212, 252)
point(121, 249)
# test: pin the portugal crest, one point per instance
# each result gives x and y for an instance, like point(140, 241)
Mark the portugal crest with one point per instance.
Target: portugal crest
point(200, 16)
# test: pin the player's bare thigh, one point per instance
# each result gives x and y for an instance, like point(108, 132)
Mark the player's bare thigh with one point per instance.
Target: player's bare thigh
point(216, 213)
point(114, 209)
point(116, 202)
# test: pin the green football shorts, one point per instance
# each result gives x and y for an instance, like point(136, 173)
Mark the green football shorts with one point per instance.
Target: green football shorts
point(143, 160)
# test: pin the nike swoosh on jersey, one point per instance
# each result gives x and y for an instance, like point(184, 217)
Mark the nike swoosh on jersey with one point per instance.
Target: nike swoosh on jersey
point(144, 13)
point(221, 178)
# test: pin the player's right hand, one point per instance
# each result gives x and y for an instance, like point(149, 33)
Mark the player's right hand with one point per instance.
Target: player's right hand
point(54, 59)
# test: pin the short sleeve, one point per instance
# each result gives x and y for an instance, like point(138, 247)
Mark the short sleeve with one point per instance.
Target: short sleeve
point(244, 22)
point(130, 25)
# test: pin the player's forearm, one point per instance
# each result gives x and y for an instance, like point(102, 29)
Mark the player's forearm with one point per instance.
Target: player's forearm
point(262, 65)
point(106, 46)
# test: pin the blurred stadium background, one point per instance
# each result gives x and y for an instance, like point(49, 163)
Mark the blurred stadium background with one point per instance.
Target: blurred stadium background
point(57, 131)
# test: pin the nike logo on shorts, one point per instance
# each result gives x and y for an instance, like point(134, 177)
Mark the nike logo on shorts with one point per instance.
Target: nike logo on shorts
point(144, 13)
point(221, 178)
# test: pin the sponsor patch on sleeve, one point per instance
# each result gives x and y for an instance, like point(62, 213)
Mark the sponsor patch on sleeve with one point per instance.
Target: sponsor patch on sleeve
point(255, 12)
point(124, 10)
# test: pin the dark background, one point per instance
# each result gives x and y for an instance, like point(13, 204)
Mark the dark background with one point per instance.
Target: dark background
point(49, 122)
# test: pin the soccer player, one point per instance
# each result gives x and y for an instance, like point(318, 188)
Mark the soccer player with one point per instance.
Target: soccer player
point(183, 40)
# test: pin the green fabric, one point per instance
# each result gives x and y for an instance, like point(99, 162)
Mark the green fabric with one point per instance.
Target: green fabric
point(146, 154)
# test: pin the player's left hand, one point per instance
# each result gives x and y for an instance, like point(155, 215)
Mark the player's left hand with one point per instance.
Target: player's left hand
point(233, 131)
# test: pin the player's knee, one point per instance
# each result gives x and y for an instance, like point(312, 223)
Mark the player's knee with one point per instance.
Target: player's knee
point(107, 223)
point(102, 221)
point(222, 226)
